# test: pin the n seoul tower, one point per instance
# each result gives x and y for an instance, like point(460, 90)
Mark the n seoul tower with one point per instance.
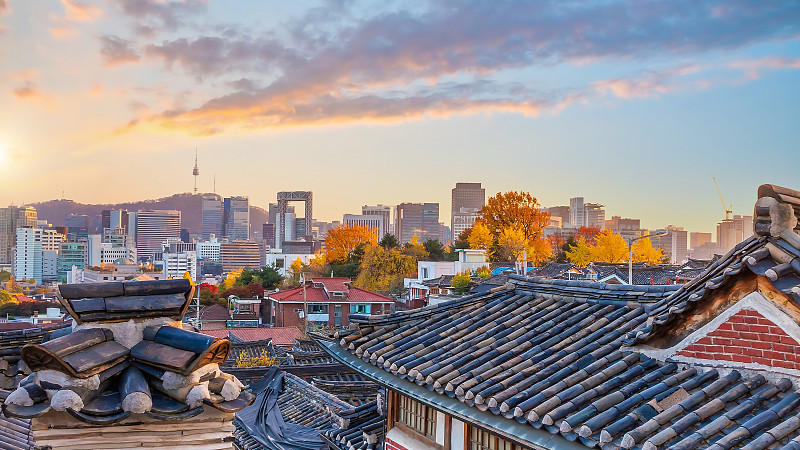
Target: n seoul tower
point(195, 171)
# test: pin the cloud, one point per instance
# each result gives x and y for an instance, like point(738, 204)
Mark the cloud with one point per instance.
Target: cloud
point(81, 12)
point(151, 15)
point(753, 67)
point(4, 9)
point(116, 51)
point(27, 91)
point(330, 69)
point(62, 31)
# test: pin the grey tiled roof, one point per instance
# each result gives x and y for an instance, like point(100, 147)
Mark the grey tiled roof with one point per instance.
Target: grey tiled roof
point(15, 434)
point(776, 258)
point(550, 354)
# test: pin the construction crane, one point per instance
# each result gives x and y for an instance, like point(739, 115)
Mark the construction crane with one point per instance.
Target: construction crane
point(729, 209)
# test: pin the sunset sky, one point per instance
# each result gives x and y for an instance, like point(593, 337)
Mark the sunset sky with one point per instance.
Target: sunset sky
point(633, 104)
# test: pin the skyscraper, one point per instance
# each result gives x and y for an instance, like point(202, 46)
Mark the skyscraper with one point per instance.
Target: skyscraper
point(421, 219)
point(153, 227)
point(211, 216)
point(236, 218)
point(467, 200)
point(28, 263)
point(111, 219)
point(12, 218)
point(577, 213)
point(379, 210)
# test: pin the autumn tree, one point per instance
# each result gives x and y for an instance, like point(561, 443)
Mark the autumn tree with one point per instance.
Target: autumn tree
point(588, 234)
point(461, 282)
point(480, 237)
point(389, 241)
point(515, 209)
point(580, 254)
point(342, 241)
point(511, 243)
point(296, 268)
point(643, 251)
point(384, 269)
point(318, 265)
point(435, 249)
point(414, 249)
point(609, 247)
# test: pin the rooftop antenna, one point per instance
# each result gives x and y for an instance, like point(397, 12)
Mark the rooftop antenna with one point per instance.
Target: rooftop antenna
point(195, 171)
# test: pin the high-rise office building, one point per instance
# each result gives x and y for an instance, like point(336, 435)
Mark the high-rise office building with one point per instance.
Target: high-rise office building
point(28, 260)
point(595, 215)
point(77, 226)
point(268, 233)
point(211, 216)
point(374, 222)
point(239, 254)
point(577, 213)
point(236, 218)
point(153, 227)
point(11, 218)
point(732, 231)
point(698, 239)
point(111, 219)
point(465, 197)
point(421, 219)
point(71, 254)
point(273, 212)
point(379, 210)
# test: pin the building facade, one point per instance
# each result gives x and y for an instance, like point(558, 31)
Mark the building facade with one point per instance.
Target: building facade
point(379, 210)
point(732, 231)
point(11, 218)
point(71, 254)
point(675, 244)
point(153, 227)
point(374, 222)
point(465, 197)
point(420, 219)
point(28, 259)
point(175, 265)
point(236, 217)
point(240, 254)
point(211, 219)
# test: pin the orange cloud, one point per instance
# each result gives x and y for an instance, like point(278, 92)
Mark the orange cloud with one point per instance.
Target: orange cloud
point(62, 31)
point(81, 12)
point(753, 67)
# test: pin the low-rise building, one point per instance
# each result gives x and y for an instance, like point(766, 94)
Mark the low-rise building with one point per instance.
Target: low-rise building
point(329, 301)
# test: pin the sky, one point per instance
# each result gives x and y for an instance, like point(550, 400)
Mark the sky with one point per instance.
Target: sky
point(629, 103)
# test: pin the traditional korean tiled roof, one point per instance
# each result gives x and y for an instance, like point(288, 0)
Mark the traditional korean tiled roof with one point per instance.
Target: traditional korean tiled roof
point(280, 336)
point(547, 358)
point(249, 349)
point(778, 259)
point(132, 362)
point(291, 413)
point(12, 368)
point(15, 434)
point(554, 270)
point(444, 281)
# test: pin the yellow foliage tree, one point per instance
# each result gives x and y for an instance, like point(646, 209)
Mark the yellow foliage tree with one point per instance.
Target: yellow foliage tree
point(513, 246)
point(230, 280)
point(461, 282)
point(383, 269)
point(344, 239)
point(643, 251)
point(480, 237)
point(580, 254)
point(483, 272)
point(188, 276)
point(515, 209)
point(414, 249)
point(318, 265)
point(264, 359)
point(296, 267)
point(609, 247)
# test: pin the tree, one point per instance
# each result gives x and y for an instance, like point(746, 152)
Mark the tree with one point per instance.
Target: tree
point(5, 297)
point(342, 241)
point(383, 270)
point(483, 272)
point(480, 237)
point(610, 247)
point(389, 241)
point(643, 251)
point(296, 268)
point(318, 265)
point(4, 276)
point(270, 277)
point(588, 233)
point(414, 249)
point(462, 282)
point(435, 249)
point(511, 243)
point(580, 254)
point(462, 242)
point(515, 209)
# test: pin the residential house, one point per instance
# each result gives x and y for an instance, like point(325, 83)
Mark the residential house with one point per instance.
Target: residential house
point(330, 301)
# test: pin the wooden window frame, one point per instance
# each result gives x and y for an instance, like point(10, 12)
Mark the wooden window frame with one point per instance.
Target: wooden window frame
point(393, 421)
point(468, 439)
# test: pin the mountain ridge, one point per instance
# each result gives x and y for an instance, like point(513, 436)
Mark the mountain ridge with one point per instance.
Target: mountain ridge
point(190, 206)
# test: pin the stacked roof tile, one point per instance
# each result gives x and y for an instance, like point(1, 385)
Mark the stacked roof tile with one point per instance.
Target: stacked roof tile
point(125, 358)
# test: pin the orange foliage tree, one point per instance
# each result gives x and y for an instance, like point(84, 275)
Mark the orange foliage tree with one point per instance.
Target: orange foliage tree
point(343, 240)
point(516, 223)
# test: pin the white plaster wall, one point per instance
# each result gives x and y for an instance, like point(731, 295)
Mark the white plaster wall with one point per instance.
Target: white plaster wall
point(405, 440)
point(457, 438)
point(440, 428)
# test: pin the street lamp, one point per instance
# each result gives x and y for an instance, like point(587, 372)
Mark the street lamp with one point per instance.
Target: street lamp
point(630, 252)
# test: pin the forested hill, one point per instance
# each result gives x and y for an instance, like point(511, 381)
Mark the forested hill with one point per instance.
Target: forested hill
point(54, 211)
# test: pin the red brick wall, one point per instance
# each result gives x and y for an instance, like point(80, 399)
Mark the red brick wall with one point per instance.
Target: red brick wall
point(392, 445)
point(747, 337)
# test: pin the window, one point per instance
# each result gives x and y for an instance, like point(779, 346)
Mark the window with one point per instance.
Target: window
point(317, 308)
point(418, 417)
point(359, 308)
point(482, 440)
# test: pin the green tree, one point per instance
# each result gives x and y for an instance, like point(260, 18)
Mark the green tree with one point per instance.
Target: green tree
point(4, 276)
point(389, 241)
point(435, 249)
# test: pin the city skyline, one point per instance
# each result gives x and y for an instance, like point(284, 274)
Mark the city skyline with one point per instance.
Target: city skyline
point(634, 105)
